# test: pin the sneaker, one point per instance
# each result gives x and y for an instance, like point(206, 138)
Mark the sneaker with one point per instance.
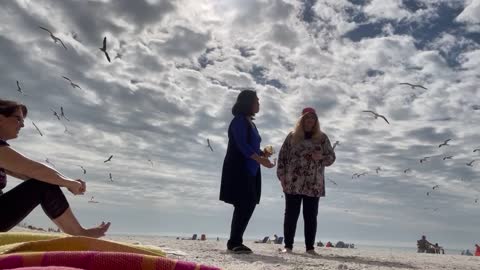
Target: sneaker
point(286, 250)
point(312, 252)
point(241, 250)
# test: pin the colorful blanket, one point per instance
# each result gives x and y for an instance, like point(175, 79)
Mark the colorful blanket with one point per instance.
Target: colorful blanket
point(93, 260)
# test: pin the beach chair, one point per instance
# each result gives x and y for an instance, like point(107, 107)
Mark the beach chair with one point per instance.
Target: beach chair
point(279, 240)
point(194, 236)
point(264, 241)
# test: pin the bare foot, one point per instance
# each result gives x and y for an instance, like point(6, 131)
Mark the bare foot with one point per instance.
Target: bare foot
point(97, 232)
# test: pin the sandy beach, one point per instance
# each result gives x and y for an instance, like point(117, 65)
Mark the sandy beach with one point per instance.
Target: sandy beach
point(267, 256)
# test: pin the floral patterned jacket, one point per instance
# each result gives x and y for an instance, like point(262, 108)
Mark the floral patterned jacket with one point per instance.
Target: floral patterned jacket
point(302, 174)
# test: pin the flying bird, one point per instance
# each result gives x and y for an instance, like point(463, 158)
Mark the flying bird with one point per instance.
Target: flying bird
point(428, 193)
point(56, 114)
point(471, 163)
point(475, 150)
point(333, 182)
point(335, 144)
point(111, 178)
point(92, 200)
point(84, 171)
point(41, 134)
point(377, 115)
point(209, 145)
point(62, 114)
point(104, 48)
point(414, 85)
point(19, 89)
point(151, 162)
point(74, 85)
point(424, 159)
point(476, 200)
point(108, 159)
point(435, 187)
point(407, 170)
point(55, 39)
point(444, 143)
point(355, 175)
point(447, 157)
point(49, 162)
point(378, 169)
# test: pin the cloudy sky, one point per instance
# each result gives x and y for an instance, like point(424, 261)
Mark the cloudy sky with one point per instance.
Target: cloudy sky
point(177, 67)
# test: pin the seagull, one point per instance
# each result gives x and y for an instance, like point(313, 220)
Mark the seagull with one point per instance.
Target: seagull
point(475, 107)
point(333, 182)
point(55, 39)
point(335, 144)
point(84, 171)
point(151, 162)
point(19, 89)
point(444, 143)
point(355, 175)
point(119, 55)
point(378, 115)
point(424, 159)
point(56, 114)
point(362, 174)
point(111, 178)
point(62, 114)
point(435, 187)
point(407, 170)
point(428, 193)
point(209, 145)
point(414, 85)
point(108, 159)
point(378, 169)
point(74, 85)
point(41, 134)
point(92, 201)
point(475, 150)
point(447, 157)
point(104, 48)
point(476, 200)
point(471, 163)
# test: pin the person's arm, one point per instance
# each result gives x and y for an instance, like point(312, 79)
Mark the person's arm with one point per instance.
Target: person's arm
point(19, 165)
point(17, 175)
point(328, 153)
point(282, 159)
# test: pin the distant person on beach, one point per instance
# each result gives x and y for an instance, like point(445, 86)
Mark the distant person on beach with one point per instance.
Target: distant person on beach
point(424, 246)
point(329, 244)
point(241, 176)
point(41, 184)
point(438, 249)
point(477, 251)
point(301, 170)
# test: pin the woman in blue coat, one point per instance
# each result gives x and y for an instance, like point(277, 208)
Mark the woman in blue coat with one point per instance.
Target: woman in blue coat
point(241, 177)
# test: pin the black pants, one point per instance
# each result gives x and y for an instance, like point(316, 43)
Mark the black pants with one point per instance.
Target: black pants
point(17, 203)
point(292, 211)
point(241, 216)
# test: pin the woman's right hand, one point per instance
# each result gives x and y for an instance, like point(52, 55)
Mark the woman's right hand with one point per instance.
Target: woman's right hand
point(76, 187)
point(265, 162)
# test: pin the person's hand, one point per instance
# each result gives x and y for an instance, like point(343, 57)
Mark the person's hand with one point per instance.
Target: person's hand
point(76, 187)
point(317, 156)
point(267, 154)
point(265, 162)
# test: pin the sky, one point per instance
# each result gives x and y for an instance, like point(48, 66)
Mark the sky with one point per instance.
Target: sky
point(176, 69)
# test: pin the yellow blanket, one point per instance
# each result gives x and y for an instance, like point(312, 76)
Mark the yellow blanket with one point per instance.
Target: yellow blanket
point(15, 242)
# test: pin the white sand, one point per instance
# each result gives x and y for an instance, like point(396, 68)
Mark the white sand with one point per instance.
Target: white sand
point(266, 256)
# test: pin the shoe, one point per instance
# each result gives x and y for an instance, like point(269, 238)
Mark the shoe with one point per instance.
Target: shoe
point(286, 250)
point(241, 250)
point(312, 252)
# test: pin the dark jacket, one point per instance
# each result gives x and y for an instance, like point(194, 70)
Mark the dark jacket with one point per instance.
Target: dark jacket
point(238, 186)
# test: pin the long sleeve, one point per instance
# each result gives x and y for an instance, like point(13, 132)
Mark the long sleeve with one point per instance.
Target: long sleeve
point(240, 133)
point(328, 152)
point(283, 158)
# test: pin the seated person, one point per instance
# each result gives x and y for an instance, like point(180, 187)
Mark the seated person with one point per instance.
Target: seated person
point(329, 244)
point(468, 253)
point(41, 184)
point(438, 249)
point(477, 251)
point(423, 246)
point(320, 244)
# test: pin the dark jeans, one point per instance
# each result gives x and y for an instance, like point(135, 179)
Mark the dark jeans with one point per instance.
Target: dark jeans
point(292, 211)
point(17, 203)
point(241, 216)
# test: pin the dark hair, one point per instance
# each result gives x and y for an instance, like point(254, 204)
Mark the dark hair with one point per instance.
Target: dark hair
point(244, 104)
point(9, 107)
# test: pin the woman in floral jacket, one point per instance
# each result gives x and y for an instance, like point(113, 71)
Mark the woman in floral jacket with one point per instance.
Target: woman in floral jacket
point(301, 166)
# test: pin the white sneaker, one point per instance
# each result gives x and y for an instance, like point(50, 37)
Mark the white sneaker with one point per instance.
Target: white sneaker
point(286, 250)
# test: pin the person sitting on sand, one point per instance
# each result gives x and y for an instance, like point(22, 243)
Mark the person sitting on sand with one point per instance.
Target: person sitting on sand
point(438, 249)
point(320, 244)
point(329, 244)
point(41, 183)
point(477, 251)
point(468, 253)
point(424, 246)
